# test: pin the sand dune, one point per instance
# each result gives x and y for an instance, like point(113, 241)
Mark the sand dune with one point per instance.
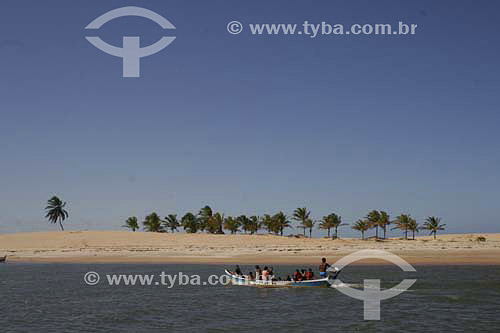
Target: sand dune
point(124, 246)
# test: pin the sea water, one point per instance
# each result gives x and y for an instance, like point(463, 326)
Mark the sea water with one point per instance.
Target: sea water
point(55, 297)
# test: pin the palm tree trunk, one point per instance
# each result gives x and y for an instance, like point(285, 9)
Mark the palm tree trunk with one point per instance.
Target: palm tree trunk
point(434, 235)
point(336, 232)
point(362, 235)
point(310, 232)
point(413, 234)
point(385, 228)
point(406, 234)
point(60, 223)
point(328, 232)
point(376, 232)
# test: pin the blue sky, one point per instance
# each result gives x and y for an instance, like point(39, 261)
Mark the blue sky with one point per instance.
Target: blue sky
point(250, 124)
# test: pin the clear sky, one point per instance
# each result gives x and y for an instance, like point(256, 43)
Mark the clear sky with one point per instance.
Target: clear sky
point(251, 124)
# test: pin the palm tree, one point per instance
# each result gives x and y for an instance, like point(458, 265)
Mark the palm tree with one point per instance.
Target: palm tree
point(171, 222)
point(413, 226)
point(402, 223)
point(384, 221)
point(433, 224)
point(302, 215)
point(215, 223)
point(231, 224)
point(310, 225)
point(131, 223)
point(373, 219)
point(152, 223)
point(204, 216)
point(326, 223)
point(279, 222)
point(336, 223)
point(55, 211)
point(254, 224)
point(190, 223)
point(361, 226)
point(245, 222)
point(267, 222)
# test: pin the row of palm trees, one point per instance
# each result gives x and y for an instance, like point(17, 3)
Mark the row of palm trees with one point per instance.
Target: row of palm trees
point(404, 222)
point(208, 221)
point(214, 223)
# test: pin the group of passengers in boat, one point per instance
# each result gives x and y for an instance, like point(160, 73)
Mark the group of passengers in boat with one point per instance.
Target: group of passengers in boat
point(266, 274)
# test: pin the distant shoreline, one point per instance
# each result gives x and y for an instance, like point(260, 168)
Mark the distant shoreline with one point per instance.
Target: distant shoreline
point(457, 261)
point(159, 248)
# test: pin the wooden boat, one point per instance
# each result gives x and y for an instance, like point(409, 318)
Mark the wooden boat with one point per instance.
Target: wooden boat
point(242, 280)
point(2, 259)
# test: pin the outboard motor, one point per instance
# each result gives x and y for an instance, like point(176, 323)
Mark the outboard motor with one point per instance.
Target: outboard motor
point(336, 271)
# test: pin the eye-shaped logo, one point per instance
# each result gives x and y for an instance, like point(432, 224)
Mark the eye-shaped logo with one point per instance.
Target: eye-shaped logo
point(371, 295)
point(131, 52)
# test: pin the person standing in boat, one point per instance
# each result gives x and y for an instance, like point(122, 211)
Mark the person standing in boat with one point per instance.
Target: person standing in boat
point(238, 270)
point(323, 267)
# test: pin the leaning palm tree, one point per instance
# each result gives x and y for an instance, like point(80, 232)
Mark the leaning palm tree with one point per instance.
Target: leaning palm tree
point(433, 224)
point(55, 211)
point(279, 222)
point(171, 222)
point(302, 215)
point(384, 221)
point(373, 219)
point(131, 223)
point(361, 226)
point(153, 223)
point(402, 223)
point(413, 227)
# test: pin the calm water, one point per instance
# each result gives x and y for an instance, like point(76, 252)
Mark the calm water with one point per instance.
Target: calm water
point(54, 297)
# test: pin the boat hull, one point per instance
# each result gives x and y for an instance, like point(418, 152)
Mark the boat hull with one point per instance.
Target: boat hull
point(243, 281)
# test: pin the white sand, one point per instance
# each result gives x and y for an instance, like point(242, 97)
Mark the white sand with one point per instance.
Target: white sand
point(125, 246)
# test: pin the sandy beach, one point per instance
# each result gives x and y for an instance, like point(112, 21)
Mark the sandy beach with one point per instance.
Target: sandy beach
point(132, 247)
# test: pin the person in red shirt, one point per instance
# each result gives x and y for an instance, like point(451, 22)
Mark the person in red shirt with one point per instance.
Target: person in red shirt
point(297, 276)
point(309, 274)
